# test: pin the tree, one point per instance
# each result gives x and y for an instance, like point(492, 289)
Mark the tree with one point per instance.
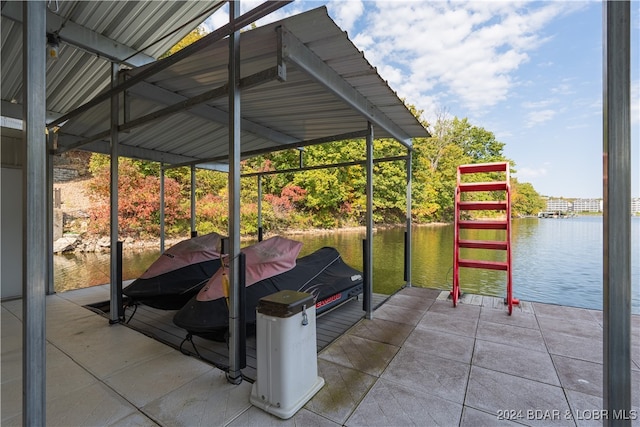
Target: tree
point(525, 200)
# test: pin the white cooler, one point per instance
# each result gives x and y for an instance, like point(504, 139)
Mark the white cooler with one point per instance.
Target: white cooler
point(287, 374)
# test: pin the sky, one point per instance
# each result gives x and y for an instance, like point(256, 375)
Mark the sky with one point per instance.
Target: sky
point(530, 72)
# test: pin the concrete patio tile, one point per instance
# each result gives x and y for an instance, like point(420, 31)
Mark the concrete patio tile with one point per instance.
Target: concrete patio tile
point(390, 404)
point(472, 417)
point(449, 323)
point(343, 389)
point(563, 312)
point(382, 331)
point(522, 362)
point(14, 307)
point(577, 328)
point(153, 378)
point(88, 295)
point(93, 405)
point(428, 293)
point(371, 357)
point(521, 400)
point(574, 347)
point(515, 336)
point(208, 400)
point(11, 401)
point(442, 344)
point(137, 419)
point(523, 320)
point(427, 373)
point(587, 410)
point(399, 314)
point(63, 377)
point(120, 346)
point(465, 311)
point(10, 331)
point(255, 417)
point(410, 301)
point(579, 375)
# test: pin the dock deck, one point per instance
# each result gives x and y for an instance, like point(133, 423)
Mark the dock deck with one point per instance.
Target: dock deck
point(418, 362)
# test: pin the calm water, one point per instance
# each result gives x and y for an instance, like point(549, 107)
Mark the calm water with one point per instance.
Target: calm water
point(554, 260)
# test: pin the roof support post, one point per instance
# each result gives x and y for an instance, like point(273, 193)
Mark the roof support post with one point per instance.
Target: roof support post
point(260, 208)
point(161, 208)
point(369, 220)
point(113, 202)
point(34, 247)
point(194, 233)
point(50, 278)
point(234, 375)
point(407, 254)
point(617, 218)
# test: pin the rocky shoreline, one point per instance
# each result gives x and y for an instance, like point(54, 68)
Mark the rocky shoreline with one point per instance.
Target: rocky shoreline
point(75, 243)
point(81, 243)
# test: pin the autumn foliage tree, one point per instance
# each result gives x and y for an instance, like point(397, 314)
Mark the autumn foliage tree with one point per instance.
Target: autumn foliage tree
point(138, 201)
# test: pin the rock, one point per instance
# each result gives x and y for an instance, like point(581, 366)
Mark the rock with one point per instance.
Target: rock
point(65, 244)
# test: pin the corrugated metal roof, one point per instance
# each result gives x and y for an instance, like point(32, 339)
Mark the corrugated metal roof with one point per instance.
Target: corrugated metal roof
point(119, 28)
point(330, 90)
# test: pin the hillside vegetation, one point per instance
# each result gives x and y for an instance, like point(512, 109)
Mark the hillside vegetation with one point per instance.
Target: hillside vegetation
point(331, 197)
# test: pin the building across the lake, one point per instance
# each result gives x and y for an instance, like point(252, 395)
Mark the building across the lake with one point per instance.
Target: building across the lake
point(566, 205)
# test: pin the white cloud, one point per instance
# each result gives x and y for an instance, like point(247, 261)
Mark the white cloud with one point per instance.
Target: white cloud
point(470, 50)
point(346, 13)
point(536, 118)
point(528, 172)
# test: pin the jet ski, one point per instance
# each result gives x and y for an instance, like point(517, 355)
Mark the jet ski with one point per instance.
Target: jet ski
point(323, 274)
point(178, 274)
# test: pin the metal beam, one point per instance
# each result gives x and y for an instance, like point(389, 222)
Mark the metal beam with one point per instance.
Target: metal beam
point(617, 219)
point(104, 147)
point(187, 103)
point(15, 111)
point(34, 206)
point(166, 97)
point(333, 165)
point(83, 38)
point(140, 74)
point(251, 153)
point(294, 51)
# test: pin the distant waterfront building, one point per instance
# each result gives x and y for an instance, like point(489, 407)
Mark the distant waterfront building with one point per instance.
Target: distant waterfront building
point(635, 205)
point(559, 205)
point(587, 205)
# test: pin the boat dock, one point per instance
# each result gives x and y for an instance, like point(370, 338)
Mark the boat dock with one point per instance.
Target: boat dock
point(418, 362)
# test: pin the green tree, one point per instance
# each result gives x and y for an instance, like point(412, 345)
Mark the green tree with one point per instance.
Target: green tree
point(525, 200)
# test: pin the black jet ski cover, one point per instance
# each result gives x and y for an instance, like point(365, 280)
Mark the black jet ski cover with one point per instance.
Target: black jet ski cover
point(178, 274)
point(323, 274)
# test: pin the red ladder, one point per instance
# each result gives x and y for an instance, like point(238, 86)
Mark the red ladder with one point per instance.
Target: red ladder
point(501, 185)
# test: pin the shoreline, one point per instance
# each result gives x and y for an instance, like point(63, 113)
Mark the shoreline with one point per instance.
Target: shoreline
point(78, 243)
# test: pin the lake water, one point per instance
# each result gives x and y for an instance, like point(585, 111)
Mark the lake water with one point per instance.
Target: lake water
point(556, 261)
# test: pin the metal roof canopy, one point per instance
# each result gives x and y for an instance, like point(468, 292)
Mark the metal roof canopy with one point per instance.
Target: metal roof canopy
point(93, 34)
point(302, 79)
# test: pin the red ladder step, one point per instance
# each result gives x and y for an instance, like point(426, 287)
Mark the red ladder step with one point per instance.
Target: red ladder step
point(483, 244)
point(483, 225)
point(483, 186)
point(484, 205)
point(484, 167)
point(487, 265)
